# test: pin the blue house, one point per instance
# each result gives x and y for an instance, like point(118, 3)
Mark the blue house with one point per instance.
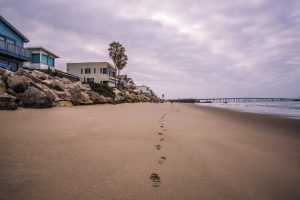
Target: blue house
point(12, 51)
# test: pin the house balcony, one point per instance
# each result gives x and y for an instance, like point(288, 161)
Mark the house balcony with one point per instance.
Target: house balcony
point(14, 51)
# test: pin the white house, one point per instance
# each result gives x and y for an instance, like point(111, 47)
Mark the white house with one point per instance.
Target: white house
point(144, 90)
point(95, 72)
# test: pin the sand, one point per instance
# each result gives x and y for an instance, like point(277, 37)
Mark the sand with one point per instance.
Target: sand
point(147, 151)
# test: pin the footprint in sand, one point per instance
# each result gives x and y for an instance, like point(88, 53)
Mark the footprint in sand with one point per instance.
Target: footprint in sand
point(161, 139)
point(165, 130)
point(161, 126)
point(162, 159)
point(160, 133)
point(158, 147)
point(155, 180)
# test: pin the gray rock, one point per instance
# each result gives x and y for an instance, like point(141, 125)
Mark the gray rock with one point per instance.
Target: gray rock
point(7, 102)
point(52, 96)
point(40, 75)
point(2, 71)
point(78, 97)
point(34, 98)
point(54, 84)
point(96, 98)
point(18, 83)
point(65, 95)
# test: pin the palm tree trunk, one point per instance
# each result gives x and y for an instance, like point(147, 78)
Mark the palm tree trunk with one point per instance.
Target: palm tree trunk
point(115, 77)
point(118, 79)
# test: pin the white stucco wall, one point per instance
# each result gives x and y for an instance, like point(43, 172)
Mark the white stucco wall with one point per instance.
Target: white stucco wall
point(75, 69)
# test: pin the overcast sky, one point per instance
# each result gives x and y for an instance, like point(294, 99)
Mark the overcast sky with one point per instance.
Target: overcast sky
point(182, 48)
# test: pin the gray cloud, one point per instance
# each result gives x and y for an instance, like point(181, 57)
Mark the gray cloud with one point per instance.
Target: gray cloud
point(192, 48)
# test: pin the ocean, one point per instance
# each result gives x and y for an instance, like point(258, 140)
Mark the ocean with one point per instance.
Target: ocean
point(287, 109)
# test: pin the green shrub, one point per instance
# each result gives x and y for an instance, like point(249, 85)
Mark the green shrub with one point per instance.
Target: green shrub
point(102, 89)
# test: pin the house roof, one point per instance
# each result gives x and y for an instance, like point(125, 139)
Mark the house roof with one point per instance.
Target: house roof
point(110, 65)
point(43, 49)
point(14, 29)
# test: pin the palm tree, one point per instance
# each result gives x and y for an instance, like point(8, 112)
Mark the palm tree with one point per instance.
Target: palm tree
point(118, 56)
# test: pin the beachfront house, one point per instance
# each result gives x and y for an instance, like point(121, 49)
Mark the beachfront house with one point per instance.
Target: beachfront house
point(41, 58)
point(122, 80)
point(125, 81)
point(130, 83)
point(144, 90)
point(12, 51)
point(95, 72)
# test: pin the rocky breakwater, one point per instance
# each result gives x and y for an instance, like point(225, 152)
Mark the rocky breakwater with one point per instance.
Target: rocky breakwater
point(130, 96)
point(35, 89)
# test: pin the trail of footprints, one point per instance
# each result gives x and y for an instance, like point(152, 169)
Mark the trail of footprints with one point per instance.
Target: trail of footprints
point(156, 180)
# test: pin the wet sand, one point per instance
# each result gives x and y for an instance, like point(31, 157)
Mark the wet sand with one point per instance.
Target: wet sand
point(147, 151)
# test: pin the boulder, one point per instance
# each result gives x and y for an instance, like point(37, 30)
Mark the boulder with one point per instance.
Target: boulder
point(7, 102)
point(54, 84)
point(66, 81)
point(6, 74)
point(64, 103)
point(76, 96)
point(65, 95)
point(40, 86)
point(85, 97)
point(96, 98)
point(34, 98)
point(18, 83)
point(2, 87)
point(2, 71)
point(40, 75)
point(52, 96)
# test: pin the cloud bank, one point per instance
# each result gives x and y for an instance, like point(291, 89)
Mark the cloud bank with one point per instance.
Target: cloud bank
point(192, 48)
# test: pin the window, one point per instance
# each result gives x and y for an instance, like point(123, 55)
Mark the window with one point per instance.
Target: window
point(50, 61)
point(114, 74)
point(2, 38)
point(44, 59)
point(90, 80)
point(35, 58)
point(94, 70)
point(87, 70)
point(101, 70)
point(81, 70)
point(105, 70)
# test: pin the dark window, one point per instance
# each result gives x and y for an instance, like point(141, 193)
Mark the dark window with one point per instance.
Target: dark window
point(81, 70)
point(105, 82)
point(101, 70)
point(87, 70)
point(35, 58)
point(90, 80)
point(2, 38)
point(114, 74)
point(94, 70)
point(105, 71)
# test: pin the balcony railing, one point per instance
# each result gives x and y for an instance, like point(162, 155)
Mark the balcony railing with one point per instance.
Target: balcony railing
point(15, 51)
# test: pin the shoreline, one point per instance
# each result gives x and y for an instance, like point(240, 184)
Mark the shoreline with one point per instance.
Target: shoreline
point(147, 151)
point(284, 121)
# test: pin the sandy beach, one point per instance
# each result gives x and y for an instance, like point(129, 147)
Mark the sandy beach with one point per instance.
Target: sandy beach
point(147, 151)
